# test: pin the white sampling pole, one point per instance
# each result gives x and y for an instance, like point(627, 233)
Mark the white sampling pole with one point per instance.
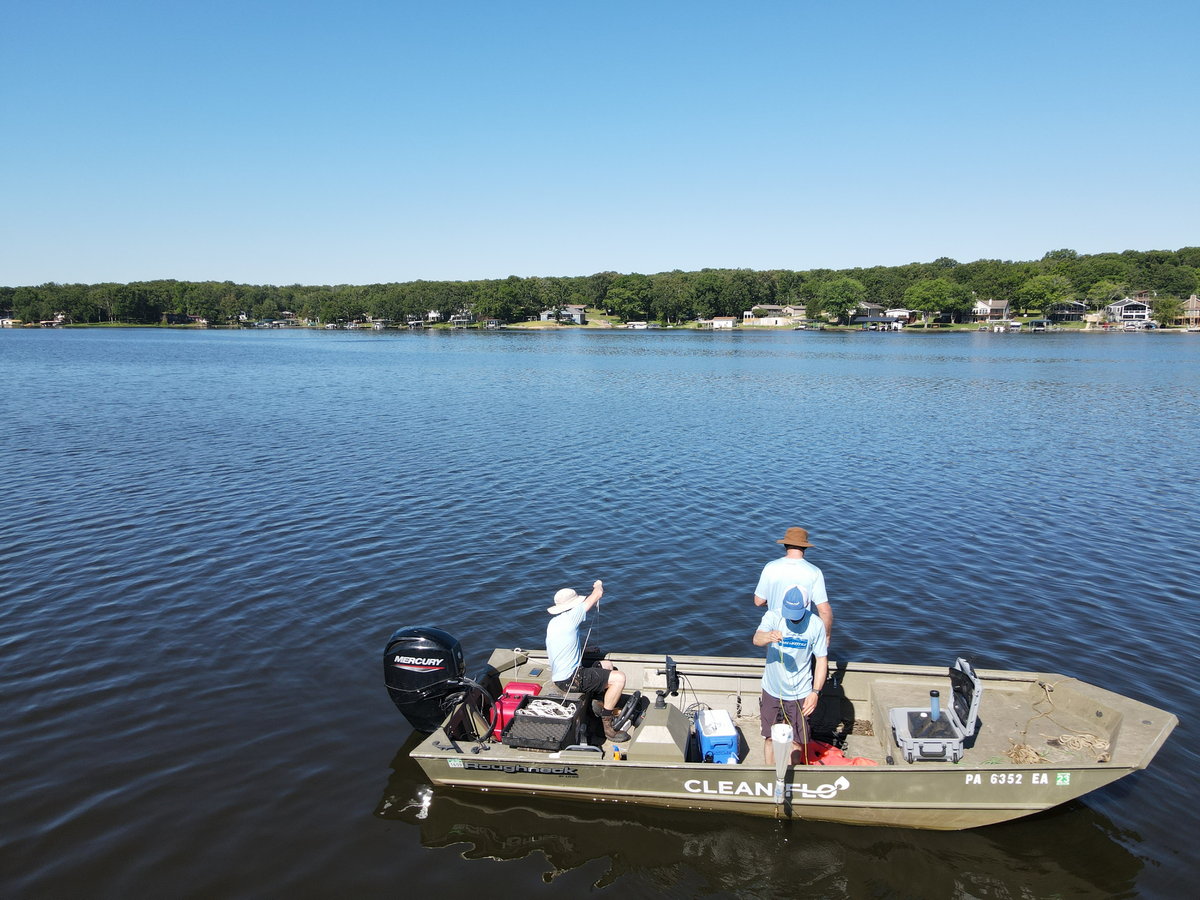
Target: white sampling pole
point(781, 741)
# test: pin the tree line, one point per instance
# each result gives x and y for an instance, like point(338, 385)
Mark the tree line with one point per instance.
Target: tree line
point(944, 285)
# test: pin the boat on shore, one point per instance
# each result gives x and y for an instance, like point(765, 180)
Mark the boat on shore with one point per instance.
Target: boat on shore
point(1028, 741)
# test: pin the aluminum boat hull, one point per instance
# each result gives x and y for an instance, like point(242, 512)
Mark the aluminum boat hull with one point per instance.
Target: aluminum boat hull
point(1119, 735)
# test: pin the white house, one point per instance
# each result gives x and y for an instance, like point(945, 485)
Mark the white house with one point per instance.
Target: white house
point(1128, 310)
point(989, 310)
point(762, 310)
point(766, 321)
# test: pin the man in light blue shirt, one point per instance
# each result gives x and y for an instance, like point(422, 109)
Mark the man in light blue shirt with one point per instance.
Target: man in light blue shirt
point(794, 636)
point(563, 649)
point(791, 571)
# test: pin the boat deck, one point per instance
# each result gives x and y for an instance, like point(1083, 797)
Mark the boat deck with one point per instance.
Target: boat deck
point(1033, 710)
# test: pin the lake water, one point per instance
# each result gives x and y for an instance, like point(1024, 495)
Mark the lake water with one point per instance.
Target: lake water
point(207, 538)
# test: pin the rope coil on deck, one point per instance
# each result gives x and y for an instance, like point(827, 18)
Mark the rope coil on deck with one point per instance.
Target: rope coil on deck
point(1077, 741)
point(1024, 754)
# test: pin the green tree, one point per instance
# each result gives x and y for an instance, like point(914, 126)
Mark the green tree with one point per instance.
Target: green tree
point(1174, 281)
point(1165, 310)
point(668, 297)
point(1104, 292)
point(840, 296)
point(595, 288)
point(992, 279)
point(706, 291)
point(937, 295)
point(1041, 292)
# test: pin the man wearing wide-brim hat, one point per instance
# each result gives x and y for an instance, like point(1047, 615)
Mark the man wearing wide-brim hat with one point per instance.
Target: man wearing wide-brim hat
point(565, 654)
point(792, 575)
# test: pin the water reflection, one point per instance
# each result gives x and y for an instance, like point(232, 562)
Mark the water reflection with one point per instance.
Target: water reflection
point(1072, 851)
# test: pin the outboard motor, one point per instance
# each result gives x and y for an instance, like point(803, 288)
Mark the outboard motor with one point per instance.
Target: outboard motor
point(423, 667)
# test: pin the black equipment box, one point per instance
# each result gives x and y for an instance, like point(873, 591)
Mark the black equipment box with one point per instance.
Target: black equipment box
point(537, 725)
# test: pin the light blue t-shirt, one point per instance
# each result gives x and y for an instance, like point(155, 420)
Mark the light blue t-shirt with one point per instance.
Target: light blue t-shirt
point(788, 673)
point(783, 575)
point(562, 642)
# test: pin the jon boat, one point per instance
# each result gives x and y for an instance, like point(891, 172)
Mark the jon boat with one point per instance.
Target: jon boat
point(1027, 741)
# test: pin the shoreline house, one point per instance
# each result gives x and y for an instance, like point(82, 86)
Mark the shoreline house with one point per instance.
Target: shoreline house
point(1067, 311)
point(989, 311)
point(572, 312)
point(867, 310)
point(1130, 309)
point(717, 323)
point(772, 321)
point(1190, 317)
point(904, 316)
point(796, 310)
point(766, 315)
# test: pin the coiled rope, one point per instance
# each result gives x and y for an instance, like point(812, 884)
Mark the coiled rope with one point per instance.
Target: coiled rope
point(1024, 754)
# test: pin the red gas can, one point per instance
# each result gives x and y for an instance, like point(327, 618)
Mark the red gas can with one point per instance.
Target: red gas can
point(510, 700)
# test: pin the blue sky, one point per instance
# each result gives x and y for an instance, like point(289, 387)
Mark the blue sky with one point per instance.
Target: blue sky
point(318, 142)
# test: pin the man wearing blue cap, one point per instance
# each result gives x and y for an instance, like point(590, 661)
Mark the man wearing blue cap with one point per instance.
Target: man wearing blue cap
point(791, 684)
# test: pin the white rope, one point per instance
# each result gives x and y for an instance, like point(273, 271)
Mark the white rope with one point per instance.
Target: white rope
point(546, 709)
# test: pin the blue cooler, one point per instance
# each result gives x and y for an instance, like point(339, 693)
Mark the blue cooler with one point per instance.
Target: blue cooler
point(717, 736)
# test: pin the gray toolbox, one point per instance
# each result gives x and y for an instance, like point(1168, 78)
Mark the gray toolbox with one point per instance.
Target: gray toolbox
point(920, 737)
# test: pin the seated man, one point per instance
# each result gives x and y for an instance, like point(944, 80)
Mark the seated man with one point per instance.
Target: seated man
point(790, 687)
point(562, 647)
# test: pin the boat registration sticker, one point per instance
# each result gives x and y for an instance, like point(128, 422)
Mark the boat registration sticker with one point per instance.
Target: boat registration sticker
point(1064, 778)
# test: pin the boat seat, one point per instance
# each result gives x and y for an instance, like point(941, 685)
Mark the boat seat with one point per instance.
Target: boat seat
point(920, 737)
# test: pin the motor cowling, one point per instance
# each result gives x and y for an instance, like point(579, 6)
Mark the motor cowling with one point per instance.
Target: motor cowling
point(423, 668)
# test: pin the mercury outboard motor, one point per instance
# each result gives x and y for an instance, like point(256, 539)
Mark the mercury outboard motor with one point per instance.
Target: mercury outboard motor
point(423, 668)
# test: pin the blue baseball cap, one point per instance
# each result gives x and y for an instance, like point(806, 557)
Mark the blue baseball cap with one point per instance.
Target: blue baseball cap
point(795, 603)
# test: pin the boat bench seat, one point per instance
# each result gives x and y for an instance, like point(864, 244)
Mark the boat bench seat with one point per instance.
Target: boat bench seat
point(919, 736)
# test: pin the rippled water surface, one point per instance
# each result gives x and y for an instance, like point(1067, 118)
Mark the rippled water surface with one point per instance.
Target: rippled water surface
point(208, 536)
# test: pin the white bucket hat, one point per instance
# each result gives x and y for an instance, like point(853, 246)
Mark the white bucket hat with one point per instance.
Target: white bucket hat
point(564, 600)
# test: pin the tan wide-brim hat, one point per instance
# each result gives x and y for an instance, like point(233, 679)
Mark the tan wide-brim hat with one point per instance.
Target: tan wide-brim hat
point(795, 537)
point(565, 599)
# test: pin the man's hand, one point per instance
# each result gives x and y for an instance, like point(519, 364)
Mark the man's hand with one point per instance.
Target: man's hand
point(810, 703)
point(594, 597)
